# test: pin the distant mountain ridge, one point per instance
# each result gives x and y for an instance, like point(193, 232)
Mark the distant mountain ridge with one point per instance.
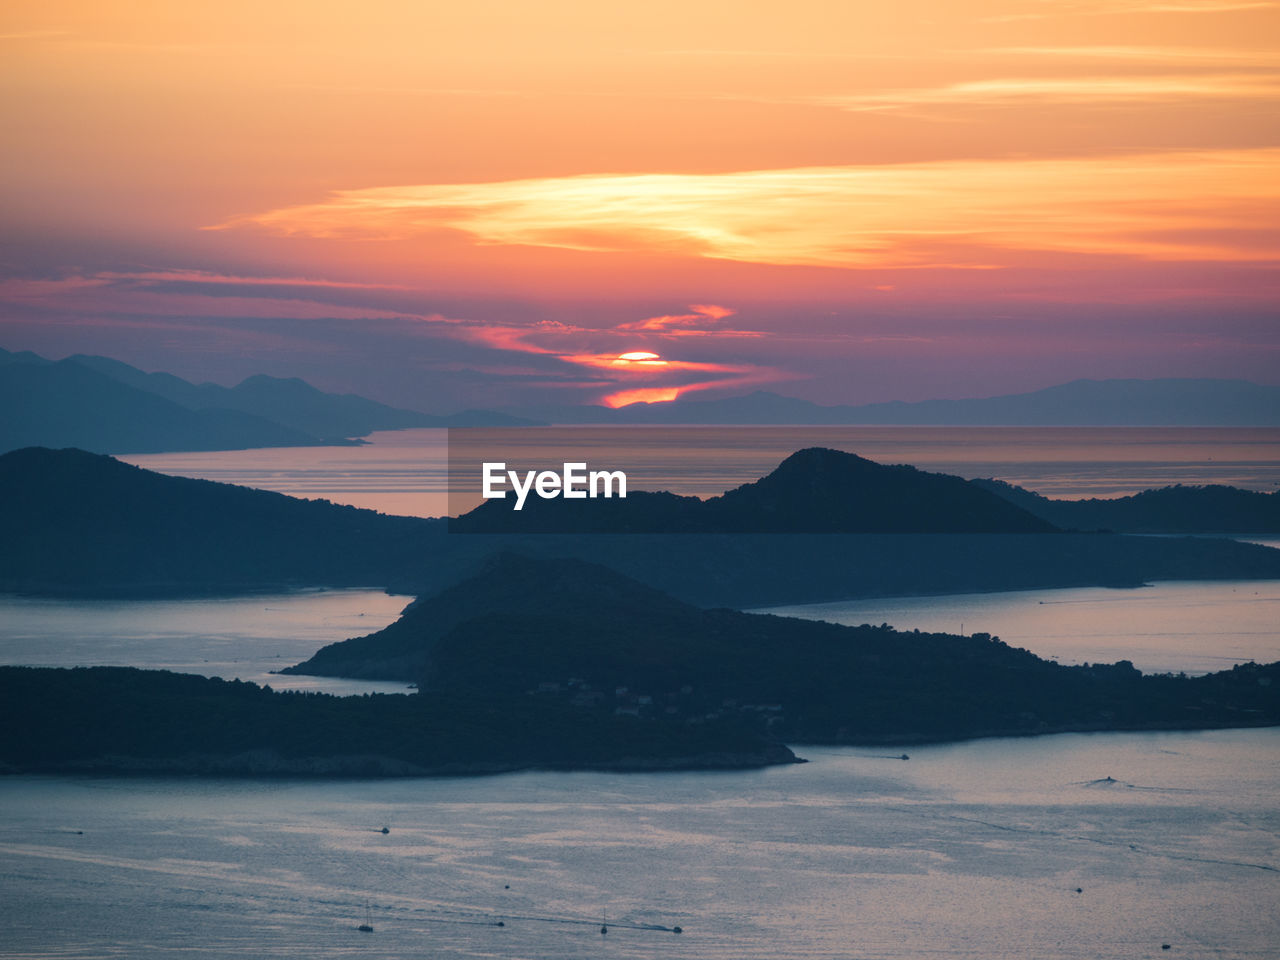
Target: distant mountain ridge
point(1118, 402)
point(106, 406)
point(65, 404)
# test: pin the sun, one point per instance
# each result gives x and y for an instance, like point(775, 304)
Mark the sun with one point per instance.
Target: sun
point(641, 358)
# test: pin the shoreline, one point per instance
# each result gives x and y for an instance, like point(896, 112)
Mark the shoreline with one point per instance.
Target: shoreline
point(269, 765)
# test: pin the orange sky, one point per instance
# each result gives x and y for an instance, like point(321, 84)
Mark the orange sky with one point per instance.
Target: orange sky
point(511, 187)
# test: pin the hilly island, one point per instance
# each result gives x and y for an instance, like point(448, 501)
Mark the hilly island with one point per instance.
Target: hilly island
point(564, 664)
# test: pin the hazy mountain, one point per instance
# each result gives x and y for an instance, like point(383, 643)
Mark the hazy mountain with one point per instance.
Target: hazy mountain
point(288, 401)
point(116, 408)
point(812, 491)
point(1179, 509)
point(1166, 402)
point(66, 404)
point(20, 356)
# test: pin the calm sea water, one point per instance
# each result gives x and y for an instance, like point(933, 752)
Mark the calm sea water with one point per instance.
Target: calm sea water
point(1196, 627)
point(406, 471)
point(228, 637)
point(965, 851)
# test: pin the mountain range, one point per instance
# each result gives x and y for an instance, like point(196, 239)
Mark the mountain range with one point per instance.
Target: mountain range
point(105, 406)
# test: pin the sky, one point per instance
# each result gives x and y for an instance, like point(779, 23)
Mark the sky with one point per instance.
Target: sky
point(505, 203)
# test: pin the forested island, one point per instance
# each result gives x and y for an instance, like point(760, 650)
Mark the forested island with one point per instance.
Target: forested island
point(568, 665)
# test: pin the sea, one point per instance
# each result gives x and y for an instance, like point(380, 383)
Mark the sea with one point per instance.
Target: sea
point(1079, 846)
point(1112, 845)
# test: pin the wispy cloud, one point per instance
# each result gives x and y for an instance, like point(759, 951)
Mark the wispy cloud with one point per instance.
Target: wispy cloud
point(196, 293)
point(705, 320)
point(979, 214)
point(1188, 56)
point(1063, 8)
point(1064, 90)
point(33, 35)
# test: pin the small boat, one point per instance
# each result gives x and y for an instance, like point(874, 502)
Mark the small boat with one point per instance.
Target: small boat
point(604, 923)
point(367, 926)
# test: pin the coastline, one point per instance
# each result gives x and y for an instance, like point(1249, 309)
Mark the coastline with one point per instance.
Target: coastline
point(270, 765)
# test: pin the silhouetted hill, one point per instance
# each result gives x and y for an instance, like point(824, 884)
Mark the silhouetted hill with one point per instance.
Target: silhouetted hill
point(817, 489)
point(1178, 509)
point(76, 522)
point(67, 404)
point(293, 402)
point(297, 403)
point(504, 584)
point(1163, 402)
point(812, 491)
point(551, 630)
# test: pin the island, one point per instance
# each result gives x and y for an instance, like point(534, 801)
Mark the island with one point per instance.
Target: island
point(562, 664)
point(83, 524)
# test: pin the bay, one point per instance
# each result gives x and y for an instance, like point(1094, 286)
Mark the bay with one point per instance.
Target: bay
point(1184, 626)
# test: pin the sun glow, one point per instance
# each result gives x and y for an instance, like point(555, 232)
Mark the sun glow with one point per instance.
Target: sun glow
point(641, 357)
point(641, 395)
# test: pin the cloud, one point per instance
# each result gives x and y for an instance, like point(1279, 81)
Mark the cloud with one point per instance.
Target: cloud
point(704, 321)
point(629, 375)
point(1064, 90)
point(194, 293)
point(1188, 56)
point(1065, 8)
point(970, 214)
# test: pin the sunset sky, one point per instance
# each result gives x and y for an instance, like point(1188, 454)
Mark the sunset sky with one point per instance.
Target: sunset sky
point(488, 204)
